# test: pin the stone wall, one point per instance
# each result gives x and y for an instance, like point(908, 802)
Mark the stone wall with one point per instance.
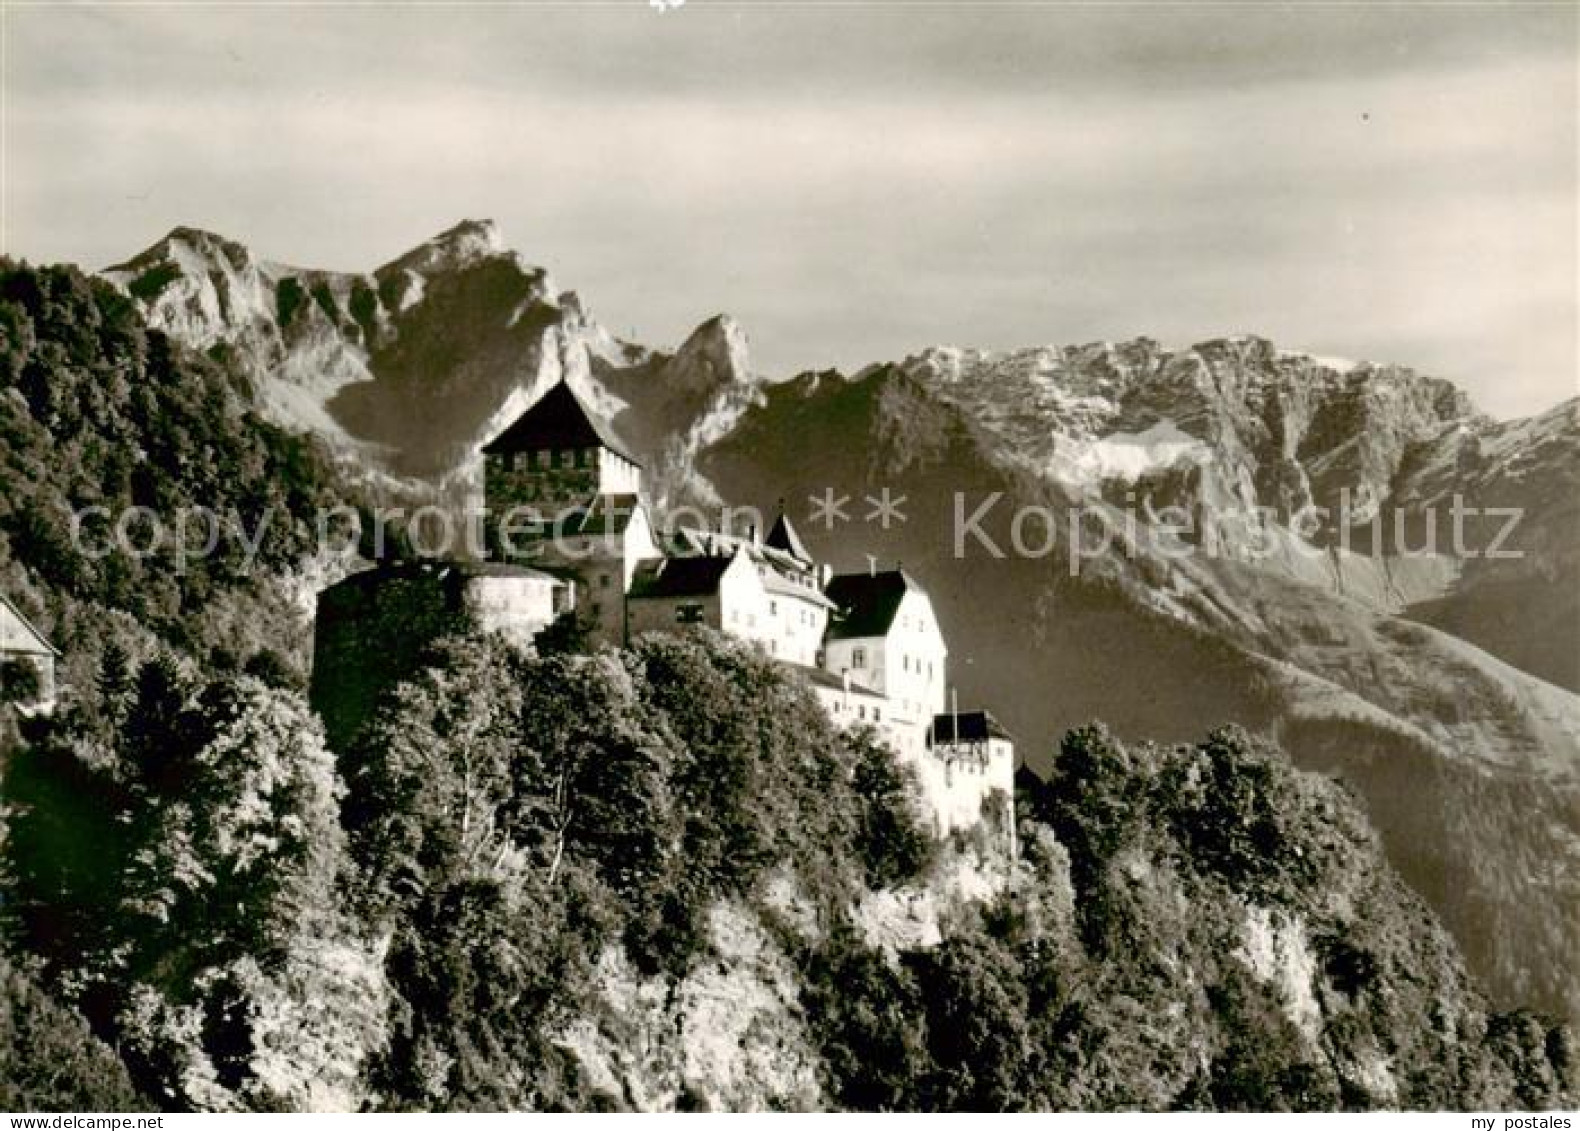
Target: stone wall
point(661, 614)
point(550, 482)
point(517, 608)
point(959, 778)
point(373, 628)
point(370, 633)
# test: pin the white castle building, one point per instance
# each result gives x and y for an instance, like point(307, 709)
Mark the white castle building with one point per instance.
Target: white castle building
point(868, 643)
point(570, 534)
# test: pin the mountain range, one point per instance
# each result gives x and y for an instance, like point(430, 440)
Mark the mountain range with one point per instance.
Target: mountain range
point(1283, 548)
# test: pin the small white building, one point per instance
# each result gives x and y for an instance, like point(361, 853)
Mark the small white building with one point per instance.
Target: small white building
point(971, 759)
point(25, 653)
point(720, 590)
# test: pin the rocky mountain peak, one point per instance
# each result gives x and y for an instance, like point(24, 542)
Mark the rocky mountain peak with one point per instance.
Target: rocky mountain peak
point(716, 354)
point(466, 244)
point(183, 251)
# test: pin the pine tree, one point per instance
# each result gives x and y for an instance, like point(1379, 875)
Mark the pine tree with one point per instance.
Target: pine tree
point(114, 682)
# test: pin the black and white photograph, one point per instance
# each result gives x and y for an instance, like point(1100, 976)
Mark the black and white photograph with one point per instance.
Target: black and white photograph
point(789, 556)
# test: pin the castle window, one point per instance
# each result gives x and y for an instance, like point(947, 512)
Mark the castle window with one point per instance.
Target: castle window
point(603, 581)
point(773, 608)
point(858, 658)
point(597, 609)
point(688, 613)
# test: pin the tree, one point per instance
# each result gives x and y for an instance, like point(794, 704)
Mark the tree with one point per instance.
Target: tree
point(894, 843)
point(19, 681)
point(431, 780)
point(272, 669)
point(867, 1017)
point(52, 1061)
point(975, 1001)
point(114, 683)
point(229, 931)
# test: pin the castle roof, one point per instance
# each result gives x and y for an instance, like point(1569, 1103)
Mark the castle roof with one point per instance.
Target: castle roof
point(783, 536)
point(776, 582)
point(966, 726)
point(820, 677)
point(17, 633)
point(696, 576)
point(867, 602)
point(558, 421)
point(684, 540)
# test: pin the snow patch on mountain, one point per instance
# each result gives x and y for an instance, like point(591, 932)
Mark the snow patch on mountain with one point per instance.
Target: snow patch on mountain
point(1125, 456)
point(1337, 364)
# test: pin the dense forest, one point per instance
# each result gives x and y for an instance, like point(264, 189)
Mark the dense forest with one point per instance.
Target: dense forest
point(651, 877)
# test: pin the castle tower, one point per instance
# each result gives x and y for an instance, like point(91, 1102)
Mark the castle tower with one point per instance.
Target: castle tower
point(374, 627)
point(555, 459)
point(563, 493)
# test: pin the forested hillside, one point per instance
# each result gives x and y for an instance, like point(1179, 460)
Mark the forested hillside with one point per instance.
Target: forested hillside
point(658, 878)
point(98, 412)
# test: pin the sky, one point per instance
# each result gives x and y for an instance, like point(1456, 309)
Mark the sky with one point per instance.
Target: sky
point(857, 181)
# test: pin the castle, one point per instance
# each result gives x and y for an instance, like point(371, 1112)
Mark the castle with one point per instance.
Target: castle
point(570, 534)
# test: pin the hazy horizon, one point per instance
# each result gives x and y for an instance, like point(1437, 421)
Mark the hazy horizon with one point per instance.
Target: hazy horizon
point(855, 183)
